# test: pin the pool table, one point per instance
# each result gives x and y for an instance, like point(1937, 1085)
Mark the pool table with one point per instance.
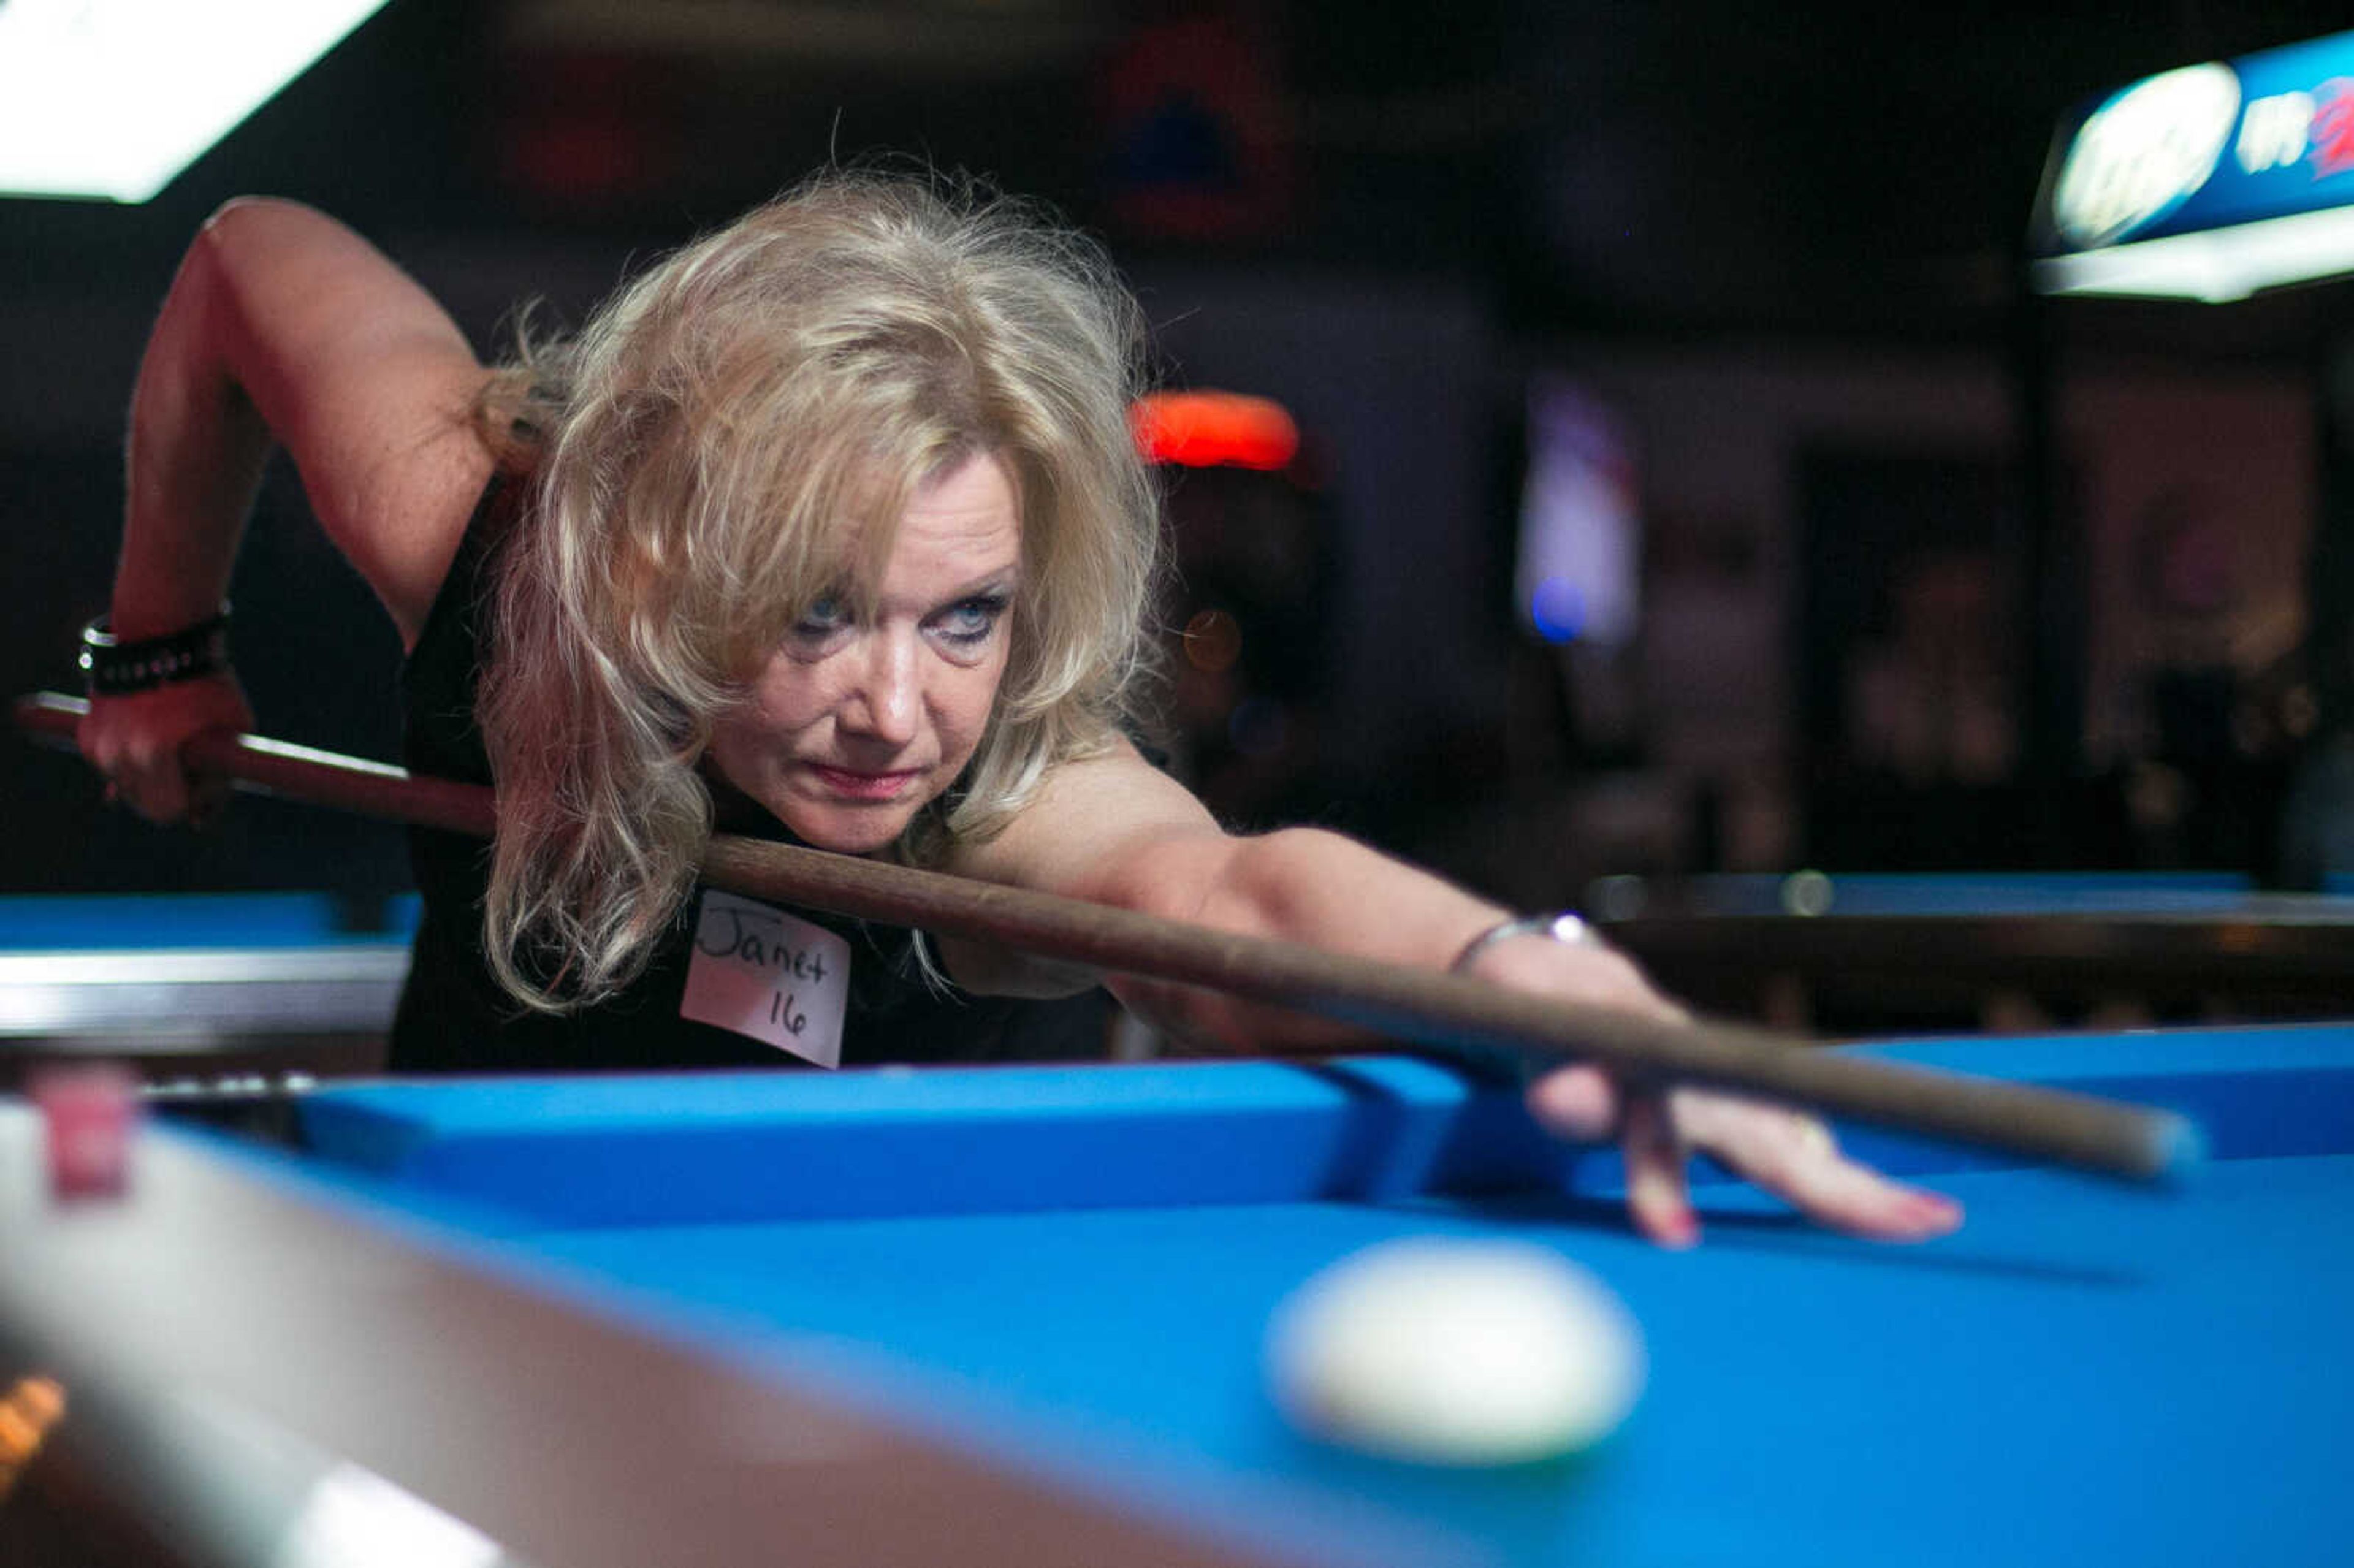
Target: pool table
point(1015, 1315)
point(202, 984)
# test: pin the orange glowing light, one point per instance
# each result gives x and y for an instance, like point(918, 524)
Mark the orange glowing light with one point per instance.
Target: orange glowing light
point(28, 1411)
point(1214, 430)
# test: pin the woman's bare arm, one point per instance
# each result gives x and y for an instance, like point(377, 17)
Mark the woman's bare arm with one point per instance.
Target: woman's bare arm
point(281, 326)
point(1116, 830)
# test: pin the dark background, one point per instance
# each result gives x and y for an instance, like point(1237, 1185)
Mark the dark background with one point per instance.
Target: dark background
point(1387, 216)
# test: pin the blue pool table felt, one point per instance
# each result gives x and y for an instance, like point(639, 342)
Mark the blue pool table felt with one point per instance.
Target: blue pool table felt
point(1078, 1268)
point(58, 921)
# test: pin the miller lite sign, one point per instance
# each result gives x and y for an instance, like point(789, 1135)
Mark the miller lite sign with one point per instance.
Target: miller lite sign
point(2208, 182)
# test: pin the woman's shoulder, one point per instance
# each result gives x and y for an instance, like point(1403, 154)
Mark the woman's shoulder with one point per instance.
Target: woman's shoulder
point(1084, 815)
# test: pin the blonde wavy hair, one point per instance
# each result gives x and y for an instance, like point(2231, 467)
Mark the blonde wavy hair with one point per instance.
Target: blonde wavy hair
point(733, 436)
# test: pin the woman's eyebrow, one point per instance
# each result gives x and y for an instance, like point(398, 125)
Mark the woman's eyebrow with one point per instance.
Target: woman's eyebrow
point(1002, 580)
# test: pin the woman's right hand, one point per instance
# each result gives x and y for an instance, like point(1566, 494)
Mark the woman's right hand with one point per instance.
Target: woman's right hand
point(137, 744)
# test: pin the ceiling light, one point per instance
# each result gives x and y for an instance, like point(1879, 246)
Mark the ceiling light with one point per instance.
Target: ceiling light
point(112, 98)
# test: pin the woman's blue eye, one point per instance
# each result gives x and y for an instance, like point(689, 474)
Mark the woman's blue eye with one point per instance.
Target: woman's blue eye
point(826, 615)
point(972, 620)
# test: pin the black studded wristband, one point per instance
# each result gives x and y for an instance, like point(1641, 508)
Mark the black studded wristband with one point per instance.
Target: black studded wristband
point(116, 669)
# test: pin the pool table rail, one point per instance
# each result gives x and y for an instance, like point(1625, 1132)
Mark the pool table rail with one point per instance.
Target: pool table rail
point(730, 1148)
point(216, 1297)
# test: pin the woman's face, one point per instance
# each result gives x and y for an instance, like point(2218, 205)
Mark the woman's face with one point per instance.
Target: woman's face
point(856, 722)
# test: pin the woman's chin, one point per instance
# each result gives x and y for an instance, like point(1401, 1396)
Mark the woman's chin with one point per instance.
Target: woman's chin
point(848, 830)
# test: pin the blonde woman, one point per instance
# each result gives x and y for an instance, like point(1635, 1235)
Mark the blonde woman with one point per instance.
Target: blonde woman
point(828, 527)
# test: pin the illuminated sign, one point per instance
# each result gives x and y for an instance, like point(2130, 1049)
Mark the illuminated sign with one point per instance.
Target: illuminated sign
point(112, 97)
point(1214, 430)
point(2144, 152)
point(2211, 182)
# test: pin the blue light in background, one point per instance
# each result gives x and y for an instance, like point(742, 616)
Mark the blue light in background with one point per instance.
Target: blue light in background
point(1578, 577)
point(1557, 610)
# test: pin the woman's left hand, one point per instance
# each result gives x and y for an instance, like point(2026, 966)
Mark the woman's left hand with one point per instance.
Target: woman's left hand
point(1787, 1152)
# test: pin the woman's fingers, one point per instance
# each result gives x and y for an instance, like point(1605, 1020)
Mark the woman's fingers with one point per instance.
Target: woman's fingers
point(1657, 1194)
point(1787, 1153)
point(156, 791)
point(143, 772)
point(1579, 1103)
point(1586, 1105)
point(136, 743)
point(1794, 1157)
point(151, 780)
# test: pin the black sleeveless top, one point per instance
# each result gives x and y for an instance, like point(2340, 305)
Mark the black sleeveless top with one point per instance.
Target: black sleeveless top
point(454, 1018)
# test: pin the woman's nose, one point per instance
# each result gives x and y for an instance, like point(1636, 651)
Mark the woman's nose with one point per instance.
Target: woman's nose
point(885, 701)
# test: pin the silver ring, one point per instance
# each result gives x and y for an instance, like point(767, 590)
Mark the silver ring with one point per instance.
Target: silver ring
point(1570, 930)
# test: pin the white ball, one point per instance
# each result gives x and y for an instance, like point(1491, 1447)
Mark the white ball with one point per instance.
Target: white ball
point(1456, 1352)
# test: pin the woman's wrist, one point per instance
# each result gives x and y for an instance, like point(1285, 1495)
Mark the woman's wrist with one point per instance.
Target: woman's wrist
point(115, 667)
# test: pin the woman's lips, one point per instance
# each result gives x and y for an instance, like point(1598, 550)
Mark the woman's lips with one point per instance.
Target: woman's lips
point(856, 786)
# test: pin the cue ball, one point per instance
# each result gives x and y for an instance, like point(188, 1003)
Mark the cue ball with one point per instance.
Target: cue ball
point(1456, 1352)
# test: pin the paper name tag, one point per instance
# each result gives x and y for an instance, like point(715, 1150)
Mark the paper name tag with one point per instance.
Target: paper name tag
point(759, 971)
